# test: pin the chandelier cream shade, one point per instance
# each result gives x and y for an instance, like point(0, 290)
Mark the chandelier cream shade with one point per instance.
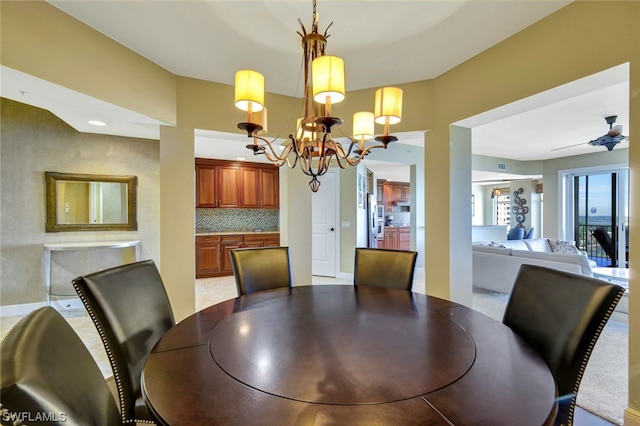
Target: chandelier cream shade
point(249, 90)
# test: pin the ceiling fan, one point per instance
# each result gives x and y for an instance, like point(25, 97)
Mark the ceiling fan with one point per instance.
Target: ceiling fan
point(609, 140)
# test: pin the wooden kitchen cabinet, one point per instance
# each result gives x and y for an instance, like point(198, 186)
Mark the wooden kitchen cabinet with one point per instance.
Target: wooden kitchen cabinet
point(207, 256)
point(393, 193)
point(397, 238)
point(260, 188)
point(391, 238)
point(398, 192)
point(262, 240)
point(212, 251)
point(206, 186)
point(229, 184)
point(228, 243)
point(406, 193)
point(404, 238)
point(388, 197)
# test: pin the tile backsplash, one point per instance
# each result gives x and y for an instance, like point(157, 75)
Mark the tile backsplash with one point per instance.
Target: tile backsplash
point(222, 220)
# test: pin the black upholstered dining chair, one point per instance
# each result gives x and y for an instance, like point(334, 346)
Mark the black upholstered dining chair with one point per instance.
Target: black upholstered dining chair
point(129, 306)
point(561, 314)
point(261, 268)
point(48, 371)
point(384, 268)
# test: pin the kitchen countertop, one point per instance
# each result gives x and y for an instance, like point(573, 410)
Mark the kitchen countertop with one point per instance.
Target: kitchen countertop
point(201, 232)
point(397, 226)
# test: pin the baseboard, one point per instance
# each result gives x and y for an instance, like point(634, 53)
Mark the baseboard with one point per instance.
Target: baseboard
point(631, 417)
point(345, 276)
point(60, 305)
point(19, 310)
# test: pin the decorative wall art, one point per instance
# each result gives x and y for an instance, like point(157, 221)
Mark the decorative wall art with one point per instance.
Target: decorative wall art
point(519, 207)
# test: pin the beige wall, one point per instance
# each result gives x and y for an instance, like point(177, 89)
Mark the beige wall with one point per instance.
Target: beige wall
point(40, 40)
point(563, 47)
point(33, 141)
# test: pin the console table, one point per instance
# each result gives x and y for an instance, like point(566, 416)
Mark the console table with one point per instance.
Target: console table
point(83, 247)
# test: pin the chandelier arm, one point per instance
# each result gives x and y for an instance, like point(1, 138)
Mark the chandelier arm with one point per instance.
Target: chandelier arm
point(323, 159)
point(348, 161)
point(273, 155)
point(294, 142)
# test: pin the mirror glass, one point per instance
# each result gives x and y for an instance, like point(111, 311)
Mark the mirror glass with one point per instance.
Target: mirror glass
point(79, 202)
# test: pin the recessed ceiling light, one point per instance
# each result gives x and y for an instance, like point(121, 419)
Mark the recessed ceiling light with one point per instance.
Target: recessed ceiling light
point(240, 158)
point(97, 123)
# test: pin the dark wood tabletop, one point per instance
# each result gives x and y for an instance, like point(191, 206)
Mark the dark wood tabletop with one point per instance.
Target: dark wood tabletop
point(343, 355)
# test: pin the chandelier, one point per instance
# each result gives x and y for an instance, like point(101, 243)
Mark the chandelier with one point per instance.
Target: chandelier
point(324, 85)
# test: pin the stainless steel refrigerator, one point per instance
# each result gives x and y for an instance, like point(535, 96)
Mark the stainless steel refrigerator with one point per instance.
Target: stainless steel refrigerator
point(372, 221)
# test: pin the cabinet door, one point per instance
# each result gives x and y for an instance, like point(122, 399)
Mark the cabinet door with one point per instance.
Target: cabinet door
point(380, 193)
point(391, 238)
point(228, 243)
point(207, 256)
point(398, 193)
point(251, 187)
point(406, 193)
point(404, 239)
point(206, 184)
point(229, 186)
point(388, 197)
point(272, 240)
point(253, 240)
point(269, 189)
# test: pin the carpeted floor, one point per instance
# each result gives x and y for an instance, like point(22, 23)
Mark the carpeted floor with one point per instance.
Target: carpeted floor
point(603, 391)
point(604, 387)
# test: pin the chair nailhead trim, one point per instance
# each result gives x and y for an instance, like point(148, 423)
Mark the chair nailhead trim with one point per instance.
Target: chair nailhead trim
point(112, 361)
point(587, 355)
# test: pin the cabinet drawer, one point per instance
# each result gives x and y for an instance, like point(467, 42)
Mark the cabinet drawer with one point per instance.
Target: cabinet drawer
point(231, 238)
point(207, 239)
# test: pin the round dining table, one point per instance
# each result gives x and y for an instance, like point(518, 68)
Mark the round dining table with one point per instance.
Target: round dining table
point(345, 355)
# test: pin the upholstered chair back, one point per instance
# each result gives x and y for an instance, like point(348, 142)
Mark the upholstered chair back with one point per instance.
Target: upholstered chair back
point(48, 371)
point(561, 315)
point(261, 268)
point(131, 311)
point(384, 268)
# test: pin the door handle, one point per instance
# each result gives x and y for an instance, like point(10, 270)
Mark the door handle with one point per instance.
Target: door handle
point(332, 229)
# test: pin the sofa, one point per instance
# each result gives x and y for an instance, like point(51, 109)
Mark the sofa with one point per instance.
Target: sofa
point(496, 263)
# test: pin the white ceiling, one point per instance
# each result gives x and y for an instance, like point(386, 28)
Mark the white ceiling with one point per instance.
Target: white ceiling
point(382, 43)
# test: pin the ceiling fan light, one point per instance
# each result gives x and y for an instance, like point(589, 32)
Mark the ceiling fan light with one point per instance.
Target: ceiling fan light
point(388, 105)
point(616, 130)
point(249, 90)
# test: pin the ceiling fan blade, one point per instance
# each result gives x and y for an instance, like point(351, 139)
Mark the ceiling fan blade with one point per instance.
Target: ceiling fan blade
point(568, 146)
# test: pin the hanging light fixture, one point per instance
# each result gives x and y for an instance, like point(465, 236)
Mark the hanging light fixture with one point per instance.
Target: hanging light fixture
point(324, 85)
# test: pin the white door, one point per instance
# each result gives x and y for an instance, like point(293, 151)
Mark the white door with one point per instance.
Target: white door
point(323, 227)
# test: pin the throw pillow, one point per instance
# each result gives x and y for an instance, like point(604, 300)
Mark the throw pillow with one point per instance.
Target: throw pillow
point(563, 246)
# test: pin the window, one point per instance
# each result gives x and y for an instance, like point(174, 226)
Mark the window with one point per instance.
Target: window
point(597, 197)
point(502, 207)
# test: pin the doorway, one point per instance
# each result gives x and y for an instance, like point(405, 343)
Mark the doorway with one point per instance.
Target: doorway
point(601, 216)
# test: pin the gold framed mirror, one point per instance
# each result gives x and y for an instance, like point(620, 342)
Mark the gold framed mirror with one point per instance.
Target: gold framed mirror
point(81, 202)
